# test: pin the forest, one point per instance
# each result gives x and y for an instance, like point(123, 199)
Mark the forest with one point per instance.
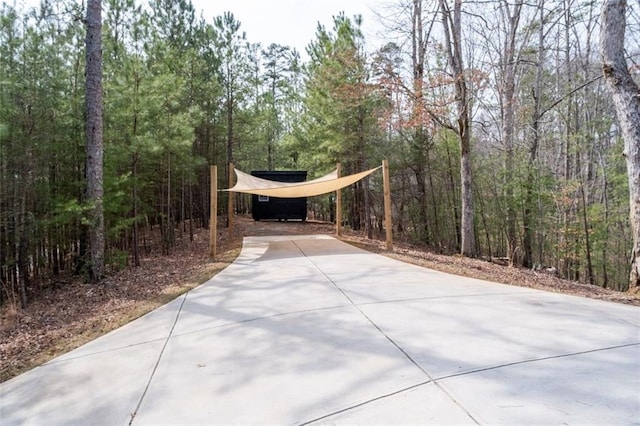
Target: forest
point(500, 133)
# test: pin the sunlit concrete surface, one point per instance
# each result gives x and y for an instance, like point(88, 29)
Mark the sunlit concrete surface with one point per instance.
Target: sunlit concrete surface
point(309, 330)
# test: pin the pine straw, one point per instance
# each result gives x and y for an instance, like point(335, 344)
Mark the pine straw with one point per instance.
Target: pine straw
point(486, 270)
point(68, 313)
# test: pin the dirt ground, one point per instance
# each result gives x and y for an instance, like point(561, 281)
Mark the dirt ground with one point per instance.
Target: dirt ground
point(68, 313)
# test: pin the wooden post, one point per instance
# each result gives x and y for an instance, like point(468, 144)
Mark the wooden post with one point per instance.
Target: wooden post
point(213, 218)
point(338, 206)
point(230, 206)
point(387, 204)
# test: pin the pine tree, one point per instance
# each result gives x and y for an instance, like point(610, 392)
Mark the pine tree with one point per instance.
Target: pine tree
point(94, 167)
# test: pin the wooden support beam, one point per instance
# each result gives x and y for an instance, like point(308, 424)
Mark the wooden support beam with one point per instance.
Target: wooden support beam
point(339, 205)
point(387, 204)
point(213, 217)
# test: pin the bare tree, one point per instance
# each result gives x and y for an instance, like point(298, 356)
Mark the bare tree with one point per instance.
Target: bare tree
point(94, 160)
point(536, 118)
point(452, 27)
point(626, 99)
point(511, 14)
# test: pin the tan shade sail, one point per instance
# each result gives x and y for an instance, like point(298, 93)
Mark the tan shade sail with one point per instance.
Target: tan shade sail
point(329, 183)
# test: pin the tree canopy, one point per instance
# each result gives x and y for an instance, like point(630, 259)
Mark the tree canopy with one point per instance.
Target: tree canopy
point(501, 137)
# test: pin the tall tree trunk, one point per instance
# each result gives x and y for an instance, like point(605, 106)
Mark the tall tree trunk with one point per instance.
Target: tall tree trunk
point(508, 108)
point(452, 25)
point(585, 222)
point(273, 120)
point(135, 242)
point(94, 162)
point(169, 240)
point(626, 99)
point(468, 240)
point(451, 194)
point(423, 225)
point(362, 165)
point(529, 207)
point(21, 247)
point(434, 203)
point(572, 263)
point(418, 52)
point(605, 240)
point(230, 107)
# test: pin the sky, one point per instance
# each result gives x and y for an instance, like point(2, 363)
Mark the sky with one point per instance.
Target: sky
point(289, 22)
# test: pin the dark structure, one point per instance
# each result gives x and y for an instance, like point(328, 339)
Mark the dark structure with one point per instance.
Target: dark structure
point(270, 208)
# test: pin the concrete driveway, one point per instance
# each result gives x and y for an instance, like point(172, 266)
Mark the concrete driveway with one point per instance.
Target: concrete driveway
point(309, 330)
